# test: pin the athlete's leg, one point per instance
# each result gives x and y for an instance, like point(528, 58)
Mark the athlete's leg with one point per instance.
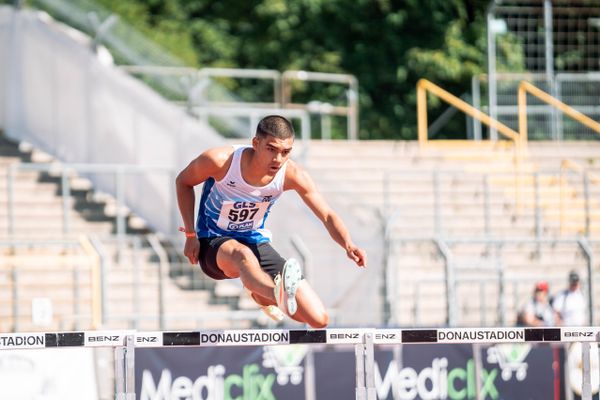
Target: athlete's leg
point(310, 308)
point(236, 260)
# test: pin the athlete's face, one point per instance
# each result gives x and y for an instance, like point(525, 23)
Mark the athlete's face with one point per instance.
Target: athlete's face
point(271, 152)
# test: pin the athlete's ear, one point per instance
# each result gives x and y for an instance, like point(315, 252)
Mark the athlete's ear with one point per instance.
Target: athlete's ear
point(255, 142)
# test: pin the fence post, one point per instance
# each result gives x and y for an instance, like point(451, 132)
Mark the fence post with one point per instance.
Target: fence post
point(125, 370)
point(10, 194)
point(361, 390)
point(66, 194)
point(586, 199)
point(120, 212)
point(370, 367)
point(586, 385)
point(15, 297)
point(486, 205)
point(163, 269)
point(538, 215)
point(437, 218)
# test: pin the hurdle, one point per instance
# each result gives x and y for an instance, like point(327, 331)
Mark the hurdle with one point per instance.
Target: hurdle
point(125, 342)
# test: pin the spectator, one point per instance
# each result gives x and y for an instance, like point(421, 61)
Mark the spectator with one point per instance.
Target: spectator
point(569, 304)
point(537, 311)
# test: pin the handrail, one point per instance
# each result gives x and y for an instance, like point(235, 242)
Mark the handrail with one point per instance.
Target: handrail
point(282, 92)
point(350, 111)
point(423, 86)
point(527, 87)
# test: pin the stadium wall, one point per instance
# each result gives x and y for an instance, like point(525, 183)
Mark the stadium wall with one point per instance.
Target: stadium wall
point(76, 105)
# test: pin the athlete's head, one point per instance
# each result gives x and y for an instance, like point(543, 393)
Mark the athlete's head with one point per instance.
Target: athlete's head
point(276, 126)
point(273, 143)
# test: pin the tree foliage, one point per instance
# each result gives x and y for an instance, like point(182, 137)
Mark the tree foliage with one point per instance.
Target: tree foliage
point(387, 44)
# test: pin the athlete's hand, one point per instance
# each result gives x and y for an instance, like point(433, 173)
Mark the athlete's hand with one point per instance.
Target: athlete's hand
point(192, 249)
point(359, 256)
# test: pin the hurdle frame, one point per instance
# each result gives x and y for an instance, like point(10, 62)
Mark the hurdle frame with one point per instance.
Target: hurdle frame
point(364, 340)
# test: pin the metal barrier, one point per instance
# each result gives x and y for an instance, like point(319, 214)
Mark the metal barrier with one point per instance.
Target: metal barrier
point(124, 344)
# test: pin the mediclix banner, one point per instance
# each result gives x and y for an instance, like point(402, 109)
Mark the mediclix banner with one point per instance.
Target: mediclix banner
point(510, 371)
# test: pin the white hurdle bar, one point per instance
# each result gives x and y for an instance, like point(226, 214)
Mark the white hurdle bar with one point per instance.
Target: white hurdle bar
point(124, 344)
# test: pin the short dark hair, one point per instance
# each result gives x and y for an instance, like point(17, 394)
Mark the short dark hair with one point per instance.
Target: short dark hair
point(276, 126)
point(573, 277)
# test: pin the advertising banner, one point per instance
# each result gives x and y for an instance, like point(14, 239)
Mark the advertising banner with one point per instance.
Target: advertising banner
point(220, 373)
point(510, 371)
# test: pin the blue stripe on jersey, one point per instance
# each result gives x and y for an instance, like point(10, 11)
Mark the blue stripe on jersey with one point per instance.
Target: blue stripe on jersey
point(201, 227)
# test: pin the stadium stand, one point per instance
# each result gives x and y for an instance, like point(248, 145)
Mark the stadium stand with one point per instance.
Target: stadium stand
point(458, 194)
point(466, 210)
point(40, 261)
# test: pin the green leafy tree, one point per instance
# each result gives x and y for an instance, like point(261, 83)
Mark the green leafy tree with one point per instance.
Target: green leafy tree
point(388, 45)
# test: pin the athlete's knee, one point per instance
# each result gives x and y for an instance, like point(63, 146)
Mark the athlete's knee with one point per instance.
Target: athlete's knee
point(319, 320)
point(242, 255)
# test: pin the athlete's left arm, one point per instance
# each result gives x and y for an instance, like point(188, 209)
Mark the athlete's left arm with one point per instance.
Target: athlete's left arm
point(299, 180)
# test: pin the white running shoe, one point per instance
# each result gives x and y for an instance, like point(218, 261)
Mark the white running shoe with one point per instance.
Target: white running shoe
point(286, 285)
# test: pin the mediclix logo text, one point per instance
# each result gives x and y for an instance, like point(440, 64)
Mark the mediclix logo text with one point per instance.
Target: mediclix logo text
point(215, 385)
point(434, 382)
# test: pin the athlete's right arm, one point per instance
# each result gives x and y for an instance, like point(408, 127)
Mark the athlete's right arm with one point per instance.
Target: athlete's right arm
point(212, 163)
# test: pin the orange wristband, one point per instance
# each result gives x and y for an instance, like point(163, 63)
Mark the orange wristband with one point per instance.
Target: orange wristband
point(187, 234)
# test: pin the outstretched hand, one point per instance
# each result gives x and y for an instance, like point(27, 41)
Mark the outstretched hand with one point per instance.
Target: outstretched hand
point(192, 250)
point(359, 256)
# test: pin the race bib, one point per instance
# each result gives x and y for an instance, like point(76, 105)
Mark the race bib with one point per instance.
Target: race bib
point(242, 215)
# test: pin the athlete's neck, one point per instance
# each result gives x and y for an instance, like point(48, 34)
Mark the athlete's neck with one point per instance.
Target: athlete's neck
point(252, 172)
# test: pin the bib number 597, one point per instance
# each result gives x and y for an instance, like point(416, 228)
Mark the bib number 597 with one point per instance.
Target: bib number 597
point(242, 215)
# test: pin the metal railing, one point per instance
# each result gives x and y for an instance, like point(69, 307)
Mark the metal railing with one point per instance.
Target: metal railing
point(78, 254)
point(535, 202)
point(196, 83)
point(526, 87)
point(424, 86)
point(578, 90)
point(350, 111)
point(135, 292)
point(498, 279)
point(65, 171)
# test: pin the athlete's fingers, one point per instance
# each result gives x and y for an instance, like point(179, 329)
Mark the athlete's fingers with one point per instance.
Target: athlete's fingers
point(363, 258)
point(191, 250)
point(358, 256)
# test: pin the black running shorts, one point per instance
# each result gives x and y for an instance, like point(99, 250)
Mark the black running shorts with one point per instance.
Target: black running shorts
point(268, 258)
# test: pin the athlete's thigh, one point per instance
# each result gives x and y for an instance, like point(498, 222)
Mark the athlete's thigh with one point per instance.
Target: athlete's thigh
point(231, 256)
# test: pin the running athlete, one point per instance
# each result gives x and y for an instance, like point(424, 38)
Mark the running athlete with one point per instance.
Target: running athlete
point(229, 239)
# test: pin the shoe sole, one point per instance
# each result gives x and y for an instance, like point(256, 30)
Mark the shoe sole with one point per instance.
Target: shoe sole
point(291, 275)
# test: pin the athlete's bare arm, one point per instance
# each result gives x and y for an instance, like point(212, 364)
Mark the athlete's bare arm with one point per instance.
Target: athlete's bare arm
point(299, 180)
point(213, 163)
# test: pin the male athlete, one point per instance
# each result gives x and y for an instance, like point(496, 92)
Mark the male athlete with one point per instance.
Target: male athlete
point(241, 184)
